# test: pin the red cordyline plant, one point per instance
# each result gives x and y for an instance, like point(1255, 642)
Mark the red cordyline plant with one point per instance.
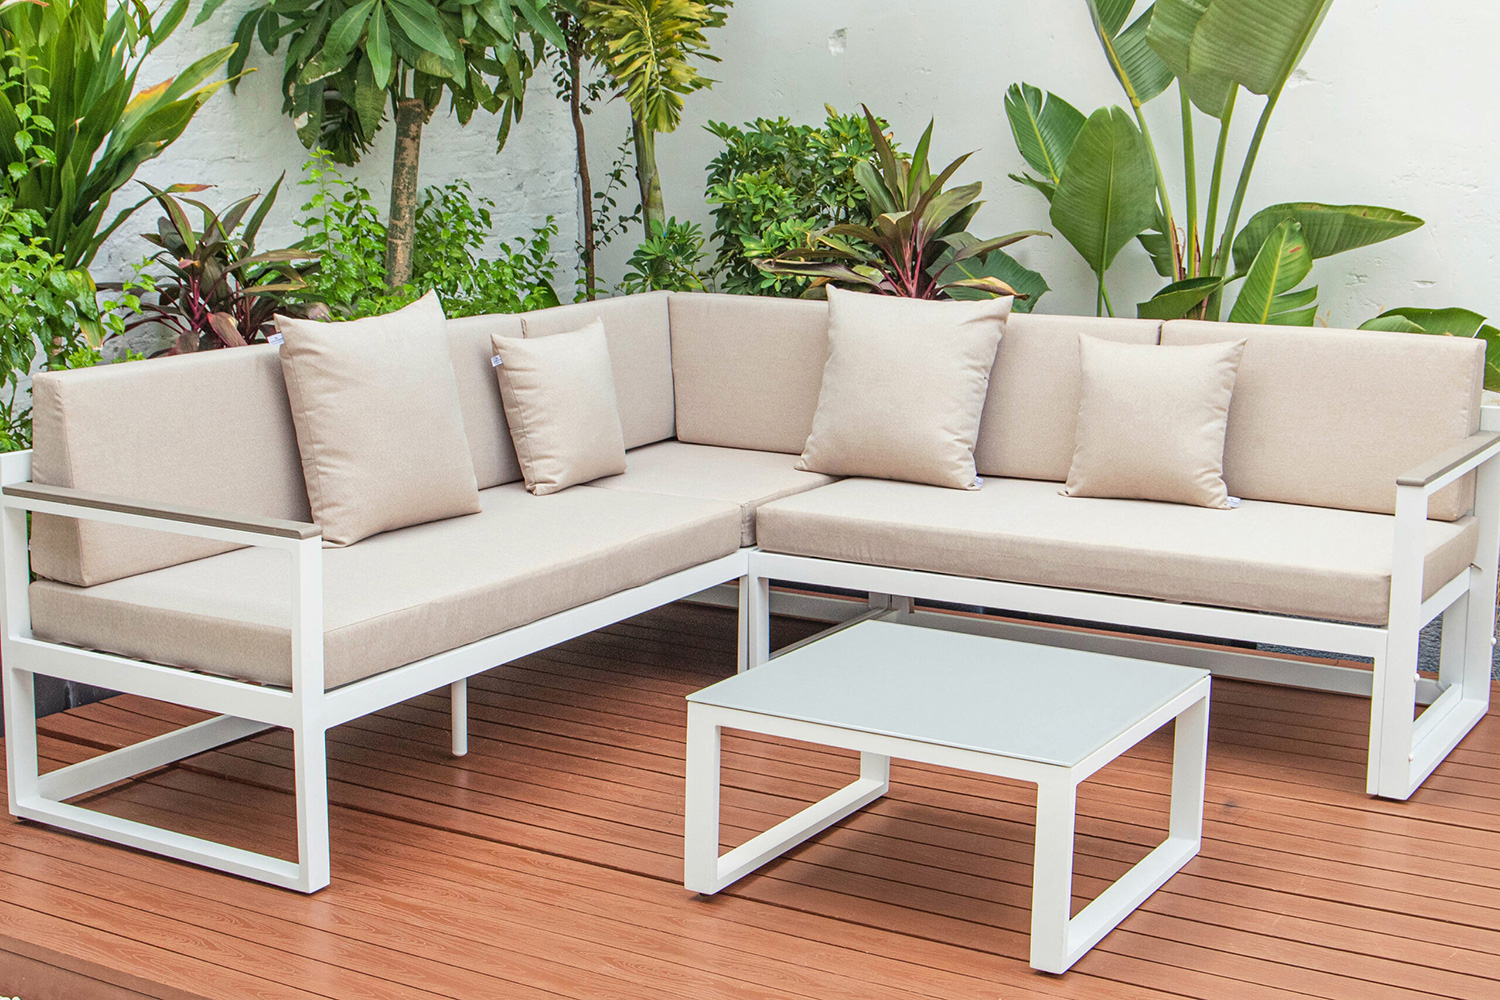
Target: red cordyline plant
point(918, 243)
point(218, 292)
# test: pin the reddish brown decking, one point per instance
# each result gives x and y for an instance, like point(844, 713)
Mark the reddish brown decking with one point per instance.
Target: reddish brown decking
point(547, 862)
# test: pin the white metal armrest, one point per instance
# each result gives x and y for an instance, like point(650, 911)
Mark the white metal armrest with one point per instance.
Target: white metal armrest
point(1440, 470)
point(253, 524)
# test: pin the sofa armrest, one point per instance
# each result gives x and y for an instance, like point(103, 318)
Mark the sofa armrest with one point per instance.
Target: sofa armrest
point(1469, 453)
point(271, 526)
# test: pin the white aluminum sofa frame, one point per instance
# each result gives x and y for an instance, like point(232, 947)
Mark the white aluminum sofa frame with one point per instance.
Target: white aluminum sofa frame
point(243, 708)
point(1403, 750)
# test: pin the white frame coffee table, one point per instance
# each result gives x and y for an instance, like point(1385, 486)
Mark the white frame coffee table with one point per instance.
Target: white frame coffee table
point(1041, 714)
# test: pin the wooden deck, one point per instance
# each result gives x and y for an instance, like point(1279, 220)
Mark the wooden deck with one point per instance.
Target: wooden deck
point(547, 863)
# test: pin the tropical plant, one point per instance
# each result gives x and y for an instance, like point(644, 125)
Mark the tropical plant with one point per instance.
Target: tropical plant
point(453, 231)
point(667, 260)
point(214, 289)
point(774, 185)
point(1449, 322)
point(39, 295)
point(347, 60)
point(647, 49)
point(81, 59)
point(1106, 185)
point(917, 246)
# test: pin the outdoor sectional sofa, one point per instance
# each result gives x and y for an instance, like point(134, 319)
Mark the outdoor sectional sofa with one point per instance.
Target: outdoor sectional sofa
point(172, 555)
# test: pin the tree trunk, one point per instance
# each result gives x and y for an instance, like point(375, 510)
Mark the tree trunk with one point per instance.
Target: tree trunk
point(401, 230)
point(652, 207)
point(575, 105)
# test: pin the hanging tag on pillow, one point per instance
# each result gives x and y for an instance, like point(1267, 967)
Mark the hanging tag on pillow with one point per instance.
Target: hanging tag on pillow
point(275, 339)
point(979, 482)
point(1234, 501)
point(495, 361)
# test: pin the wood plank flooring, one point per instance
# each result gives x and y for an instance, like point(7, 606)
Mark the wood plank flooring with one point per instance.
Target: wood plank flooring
point(547, 863)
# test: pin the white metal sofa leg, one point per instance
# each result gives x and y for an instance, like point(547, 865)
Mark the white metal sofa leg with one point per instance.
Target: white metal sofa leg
point(754, 620)
point(458, 707)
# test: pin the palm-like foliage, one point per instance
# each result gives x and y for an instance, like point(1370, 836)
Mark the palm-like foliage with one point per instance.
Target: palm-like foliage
point(347, 61)
point(918, 241)
point(86, 57)
point(648, 49)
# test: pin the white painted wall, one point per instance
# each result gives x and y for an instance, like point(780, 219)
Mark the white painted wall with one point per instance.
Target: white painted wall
point(241, 142)
point(1397, 103)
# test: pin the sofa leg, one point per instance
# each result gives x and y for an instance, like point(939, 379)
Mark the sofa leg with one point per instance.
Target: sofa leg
point(21, 765)
point(755, 622)
point(310, 766)
point(458, 705)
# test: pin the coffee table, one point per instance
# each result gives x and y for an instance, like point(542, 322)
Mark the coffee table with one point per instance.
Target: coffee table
point(1034, 713)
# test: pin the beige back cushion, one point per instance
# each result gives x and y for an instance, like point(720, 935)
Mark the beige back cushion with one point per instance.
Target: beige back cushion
point(1331, 417)
point(640, 350)
point(479, 396)
point(1031, 412)
point(206, 430)
point(747, 369)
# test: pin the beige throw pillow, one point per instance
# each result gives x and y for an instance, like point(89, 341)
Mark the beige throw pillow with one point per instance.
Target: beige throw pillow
point(379, 429)
point(1151, 422)
point(903, 388)
point(559, 395)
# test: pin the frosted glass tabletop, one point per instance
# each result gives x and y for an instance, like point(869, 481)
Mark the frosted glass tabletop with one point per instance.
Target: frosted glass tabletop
point(972, 692)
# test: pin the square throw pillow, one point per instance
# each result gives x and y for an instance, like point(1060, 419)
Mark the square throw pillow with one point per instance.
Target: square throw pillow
point(1151, 422)
point(903, 388)
point(379, 429)
point(559, 396)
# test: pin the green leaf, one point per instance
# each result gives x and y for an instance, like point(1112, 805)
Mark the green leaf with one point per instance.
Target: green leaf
point(1280, 266)
point(1107, 195)
point(1179, 298)
point(378, 47)
point(420, 24)
point(1148, 74)
point(1256, 43)
point(1047, 188)
point(1111, 14)
point(1028, 284)
point(1451, 321)
point(1159, 248)
point(1329, 229)
point(1044, 126)
point(1170, 35)
point(343, 36)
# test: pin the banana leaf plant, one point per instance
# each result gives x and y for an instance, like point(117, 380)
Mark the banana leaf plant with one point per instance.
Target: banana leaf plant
point(917, 246)
point(217, 291)
point(1104, 178)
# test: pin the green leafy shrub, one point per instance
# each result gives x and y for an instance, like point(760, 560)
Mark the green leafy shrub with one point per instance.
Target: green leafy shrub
point(774, 185)
point(667, 261)
point(455, 253)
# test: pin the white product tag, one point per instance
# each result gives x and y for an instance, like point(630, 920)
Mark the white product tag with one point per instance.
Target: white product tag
point(978, 482)
point(495, 361)
point(275, 339)
point(1234, 501)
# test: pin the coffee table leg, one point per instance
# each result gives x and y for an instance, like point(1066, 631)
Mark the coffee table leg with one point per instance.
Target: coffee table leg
point(701, 805)
point(1052, 871)
point(1057, 941)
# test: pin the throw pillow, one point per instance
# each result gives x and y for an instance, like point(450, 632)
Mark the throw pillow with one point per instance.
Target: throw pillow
point(1151, 422)
point(375, 406)
point(559, 396)
point(903, 388)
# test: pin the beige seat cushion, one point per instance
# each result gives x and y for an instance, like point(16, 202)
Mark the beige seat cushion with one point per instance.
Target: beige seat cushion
point(640, 350)
point(1332, 417)
point(1032, 406)
point(1151, 422)
point(747, 478)
point(559, 395)
point(379, 426)
point(1308, 561)
point(399, 596)
point(903, 388)
point(747, 369)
